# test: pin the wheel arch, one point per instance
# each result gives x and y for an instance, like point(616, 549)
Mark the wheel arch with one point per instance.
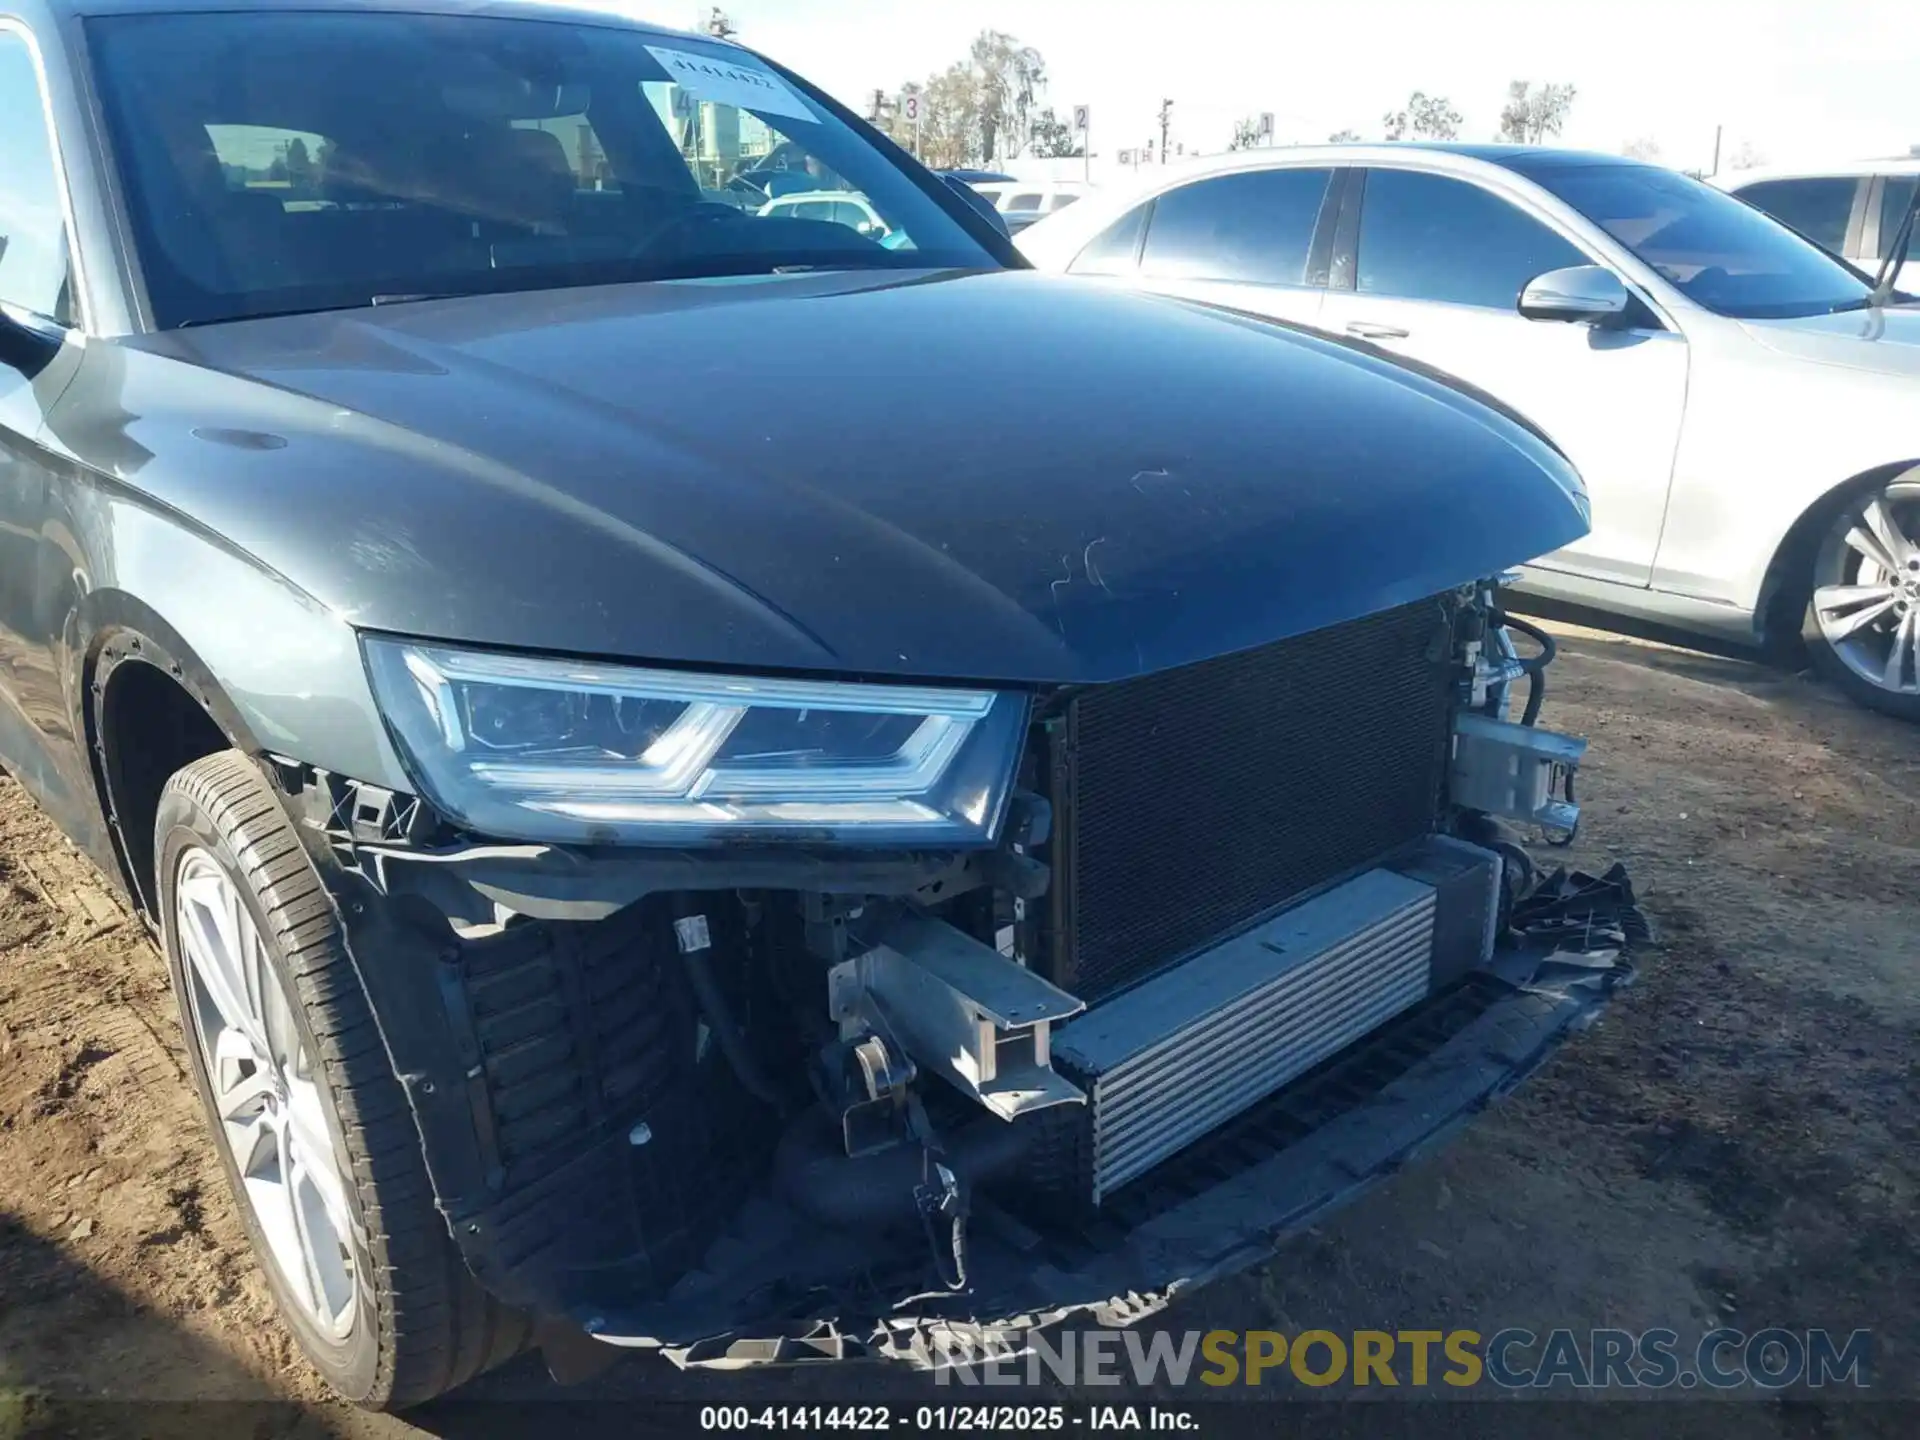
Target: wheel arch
point(150, 705)
point(1777, 612)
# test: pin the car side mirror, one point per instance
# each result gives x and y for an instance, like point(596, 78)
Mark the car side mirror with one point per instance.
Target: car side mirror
point(1590, 293)
point(979, 202)
point(28, 342)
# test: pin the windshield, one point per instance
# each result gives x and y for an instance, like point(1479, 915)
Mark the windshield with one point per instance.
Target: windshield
point(321, 160)
point(1718, 251)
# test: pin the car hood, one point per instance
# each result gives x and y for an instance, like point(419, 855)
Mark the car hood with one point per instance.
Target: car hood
point(1885, 341)
point(1000, 476)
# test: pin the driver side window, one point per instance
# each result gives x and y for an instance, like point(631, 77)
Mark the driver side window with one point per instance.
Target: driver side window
point(1432, 237)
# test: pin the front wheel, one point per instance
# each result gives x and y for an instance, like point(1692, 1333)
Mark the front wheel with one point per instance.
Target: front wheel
point(1863, 613)
point(313, 1130)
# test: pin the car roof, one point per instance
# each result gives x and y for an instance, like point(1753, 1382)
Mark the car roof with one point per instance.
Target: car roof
point(1444, 155)
point(513, 9)
point(1838, 170)
point(1517, 157)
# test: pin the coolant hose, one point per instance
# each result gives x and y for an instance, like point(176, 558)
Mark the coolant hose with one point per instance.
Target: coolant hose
point(1536, 665)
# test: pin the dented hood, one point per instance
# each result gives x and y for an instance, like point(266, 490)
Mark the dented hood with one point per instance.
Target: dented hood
point(1002, 476)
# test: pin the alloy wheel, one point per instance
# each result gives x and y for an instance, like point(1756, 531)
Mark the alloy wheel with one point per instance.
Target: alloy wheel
point(1866, 594)
point(267, 1096)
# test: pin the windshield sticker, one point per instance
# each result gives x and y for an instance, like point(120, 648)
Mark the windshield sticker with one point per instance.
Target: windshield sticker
point(727, 83)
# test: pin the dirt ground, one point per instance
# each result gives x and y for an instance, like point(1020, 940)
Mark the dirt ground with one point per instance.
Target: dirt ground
point(1738, 1142)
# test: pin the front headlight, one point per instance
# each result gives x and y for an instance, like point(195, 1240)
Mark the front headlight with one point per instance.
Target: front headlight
point(570, 750)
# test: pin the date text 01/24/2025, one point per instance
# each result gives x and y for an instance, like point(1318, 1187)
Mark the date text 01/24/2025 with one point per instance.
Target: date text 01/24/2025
point(932, 1419)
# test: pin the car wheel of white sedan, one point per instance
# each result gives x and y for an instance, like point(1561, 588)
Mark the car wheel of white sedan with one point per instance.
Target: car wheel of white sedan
point(1863, 615)
point(313, 1129)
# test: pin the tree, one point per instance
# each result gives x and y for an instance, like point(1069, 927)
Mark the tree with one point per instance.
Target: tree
point(1246, 134)
point(1531, 115)
point(1746, 157)
point(950, 119)
point(1427, 117)
point(1053, 138)
point(1343, 137)
point(1011, 77)
point(980, 109)
point(1645, 148)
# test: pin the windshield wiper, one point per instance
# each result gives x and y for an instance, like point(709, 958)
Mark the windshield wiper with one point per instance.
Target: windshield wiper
point(1897, 256)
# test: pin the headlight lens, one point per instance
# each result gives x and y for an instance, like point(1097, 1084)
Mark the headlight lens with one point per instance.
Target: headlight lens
point(569, 750)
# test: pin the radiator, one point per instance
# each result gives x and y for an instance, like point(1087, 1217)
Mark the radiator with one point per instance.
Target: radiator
point(1193, 802)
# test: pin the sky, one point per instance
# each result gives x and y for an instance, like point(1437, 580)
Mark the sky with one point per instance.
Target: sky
point(1791, 81)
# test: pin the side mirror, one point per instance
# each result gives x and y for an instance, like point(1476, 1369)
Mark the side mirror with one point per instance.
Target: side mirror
point(28, 342)
point(979, 202)
point(1590, 293)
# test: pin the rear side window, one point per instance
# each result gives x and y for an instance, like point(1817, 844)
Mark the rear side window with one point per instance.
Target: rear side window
point(1895, 197)
point(1026, 200)
point(1061, 201)
point(1430, 237)
point(1818, 208)
point(283, 164)
point(1114, 248)
point(1254, 228)
point(33, 231)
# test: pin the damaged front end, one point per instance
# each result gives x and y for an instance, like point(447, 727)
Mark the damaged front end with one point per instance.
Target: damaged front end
point(1249, 934)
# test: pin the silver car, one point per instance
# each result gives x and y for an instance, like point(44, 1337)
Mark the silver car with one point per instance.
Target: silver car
point(1744, 407)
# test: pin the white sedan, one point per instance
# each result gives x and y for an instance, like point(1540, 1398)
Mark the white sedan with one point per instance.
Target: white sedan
point(1745, 409)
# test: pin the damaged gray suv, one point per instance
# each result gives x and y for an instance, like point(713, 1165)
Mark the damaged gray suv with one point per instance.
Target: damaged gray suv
point(664, 826)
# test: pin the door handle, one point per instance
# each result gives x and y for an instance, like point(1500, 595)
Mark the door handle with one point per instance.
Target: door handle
point(1368, 330)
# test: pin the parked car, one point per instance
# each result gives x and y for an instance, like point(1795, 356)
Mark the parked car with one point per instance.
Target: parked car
point(1023, 197)
point(836, 207)
point(657, 875)
point(1746, 418)
point(974, 176)
point(1853, 210)
point(1023, 203)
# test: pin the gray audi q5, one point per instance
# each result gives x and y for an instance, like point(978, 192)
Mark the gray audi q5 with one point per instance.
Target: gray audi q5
point(664, 824)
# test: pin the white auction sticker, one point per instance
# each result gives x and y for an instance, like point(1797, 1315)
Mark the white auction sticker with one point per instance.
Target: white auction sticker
point(726, 82)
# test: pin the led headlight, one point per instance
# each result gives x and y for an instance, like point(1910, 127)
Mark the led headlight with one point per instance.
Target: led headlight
point(570, 750)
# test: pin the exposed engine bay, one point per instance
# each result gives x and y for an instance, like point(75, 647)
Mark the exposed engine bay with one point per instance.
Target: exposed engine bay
point(754, 1104)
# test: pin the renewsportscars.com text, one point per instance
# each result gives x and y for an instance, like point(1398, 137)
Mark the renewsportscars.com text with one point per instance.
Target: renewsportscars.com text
point(1511, 1358)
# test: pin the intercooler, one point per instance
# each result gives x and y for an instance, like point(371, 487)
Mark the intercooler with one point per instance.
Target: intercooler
point(1191, 1048)
point(1194, 801)
point(1174, 1058)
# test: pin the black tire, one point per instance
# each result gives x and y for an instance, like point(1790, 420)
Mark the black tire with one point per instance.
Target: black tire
point(423, 1324)
point(1819, 568)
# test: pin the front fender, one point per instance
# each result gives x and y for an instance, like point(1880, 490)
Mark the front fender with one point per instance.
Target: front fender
point(276, 670)
point(1768, 440)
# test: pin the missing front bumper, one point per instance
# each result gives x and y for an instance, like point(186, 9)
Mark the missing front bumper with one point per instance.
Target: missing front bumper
point(775, 1288)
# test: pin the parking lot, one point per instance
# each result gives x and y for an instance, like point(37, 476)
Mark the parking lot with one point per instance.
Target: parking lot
point(1736, 1143)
